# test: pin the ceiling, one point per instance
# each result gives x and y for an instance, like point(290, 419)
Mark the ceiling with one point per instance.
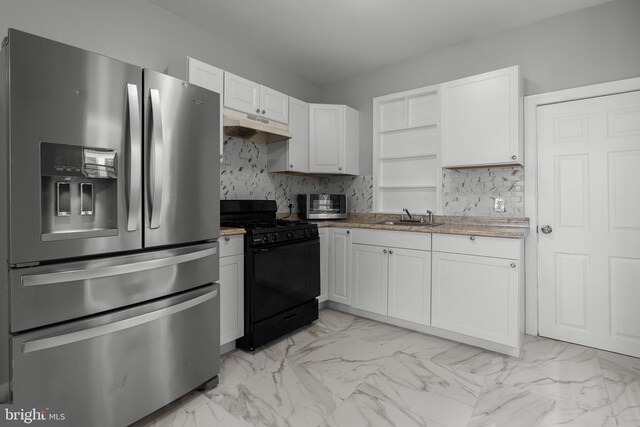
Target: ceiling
point(328, 40)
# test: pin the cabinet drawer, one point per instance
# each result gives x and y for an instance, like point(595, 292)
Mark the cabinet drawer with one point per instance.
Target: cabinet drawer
point(476, 245)
point(107, 362)
point(231, 245)
point(395, 239)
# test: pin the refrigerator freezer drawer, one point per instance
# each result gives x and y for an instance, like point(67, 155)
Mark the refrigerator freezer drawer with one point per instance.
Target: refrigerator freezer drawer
point(115, 369)
point(54, 293)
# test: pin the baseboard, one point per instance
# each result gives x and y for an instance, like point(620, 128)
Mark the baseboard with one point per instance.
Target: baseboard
point(431, 330)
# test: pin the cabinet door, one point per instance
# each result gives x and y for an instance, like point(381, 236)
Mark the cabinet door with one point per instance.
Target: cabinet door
point(241, 94)
point(298, 145)
point(324, 264)
point(209, 77)
point(340, 265)
point(231, 298)
point(274, 105)
point(351, 164)
point(481, 123)
point(370, 268)
point(410, 285)
point(326, 138)
point(476, 296)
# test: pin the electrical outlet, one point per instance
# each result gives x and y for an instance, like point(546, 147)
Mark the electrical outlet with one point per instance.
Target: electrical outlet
point(498, 204)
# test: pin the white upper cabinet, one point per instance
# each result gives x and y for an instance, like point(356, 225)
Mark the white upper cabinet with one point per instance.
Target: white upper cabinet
point(241, 94)
point(274, 105)
point(253, 98)
point(292, 155)
point(333, 139)
point(481, 120)
point(209, 77)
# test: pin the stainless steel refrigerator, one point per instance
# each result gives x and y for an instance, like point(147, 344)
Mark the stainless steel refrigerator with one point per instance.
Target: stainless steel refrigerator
point(109, 223)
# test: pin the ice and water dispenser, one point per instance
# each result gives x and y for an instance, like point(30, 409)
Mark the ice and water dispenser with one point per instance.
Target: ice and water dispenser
point(79, 192)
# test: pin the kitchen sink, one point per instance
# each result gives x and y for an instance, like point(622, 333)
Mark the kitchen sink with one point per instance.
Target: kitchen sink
point(420, 224)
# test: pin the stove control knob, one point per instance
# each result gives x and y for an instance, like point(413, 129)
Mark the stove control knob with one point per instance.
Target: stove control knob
point(274, 237)
point(265, 238)
point(290, 235)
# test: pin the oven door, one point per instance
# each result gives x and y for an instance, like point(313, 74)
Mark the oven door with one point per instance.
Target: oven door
point(281, 277)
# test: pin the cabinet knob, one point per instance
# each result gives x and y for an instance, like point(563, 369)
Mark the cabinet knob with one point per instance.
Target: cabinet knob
point(257, 110)
point(514, 157)
point(472, 238)
point(226, 239)
point(513, 265)
point(391, 251)
point(340, 168)
point(546, 229)
point(348, 232)
point(384, 251)
point(263, 111)
point(291, 166)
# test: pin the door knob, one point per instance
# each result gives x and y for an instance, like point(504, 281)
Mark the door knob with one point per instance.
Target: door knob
point(546, 229)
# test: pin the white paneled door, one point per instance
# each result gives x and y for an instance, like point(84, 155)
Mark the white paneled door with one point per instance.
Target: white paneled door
point(589, 216)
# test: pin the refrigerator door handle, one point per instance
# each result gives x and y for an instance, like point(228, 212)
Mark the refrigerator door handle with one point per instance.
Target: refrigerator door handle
point(156, 167)
point(113, 270)
point(85, 334)
point(135, 153)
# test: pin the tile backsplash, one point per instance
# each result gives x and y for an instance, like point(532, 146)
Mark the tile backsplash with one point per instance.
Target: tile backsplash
point(471, 191)
point(243, 175)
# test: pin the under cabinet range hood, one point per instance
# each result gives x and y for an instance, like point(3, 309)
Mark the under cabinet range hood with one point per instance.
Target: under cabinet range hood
point(253, 128)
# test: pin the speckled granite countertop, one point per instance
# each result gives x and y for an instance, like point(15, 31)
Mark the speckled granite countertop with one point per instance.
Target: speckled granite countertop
point(228, 231)
point(512, 228)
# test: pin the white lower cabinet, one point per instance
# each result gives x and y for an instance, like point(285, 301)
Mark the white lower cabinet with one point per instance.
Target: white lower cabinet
point(369, 272)
point(392, 274)
point(340, 265)
point(477, 287)
point(410, 285)
point(476, 295)
point(324, 264)
point(231, 289)
point(465, 288)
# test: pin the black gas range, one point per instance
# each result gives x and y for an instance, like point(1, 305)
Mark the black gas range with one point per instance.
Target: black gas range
point(281, 270)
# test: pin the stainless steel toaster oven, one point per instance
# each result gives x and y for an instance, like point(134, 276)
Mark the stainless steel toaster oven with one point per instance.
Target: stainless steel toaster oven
point(322, 206)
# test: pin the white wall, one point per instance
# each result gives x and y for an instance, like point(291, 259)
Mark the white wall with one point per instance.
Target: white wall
point(139, 32)
point(591, 46)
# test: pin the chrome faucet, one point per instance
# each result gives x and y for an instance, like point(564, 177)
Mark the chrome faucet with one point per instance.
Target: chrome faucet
point(408, 213)
point(430, 214)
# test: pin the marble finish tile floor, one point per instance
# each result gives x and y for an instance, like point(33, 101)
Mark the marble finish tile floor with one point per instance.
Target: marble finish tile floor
point(347, 371)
